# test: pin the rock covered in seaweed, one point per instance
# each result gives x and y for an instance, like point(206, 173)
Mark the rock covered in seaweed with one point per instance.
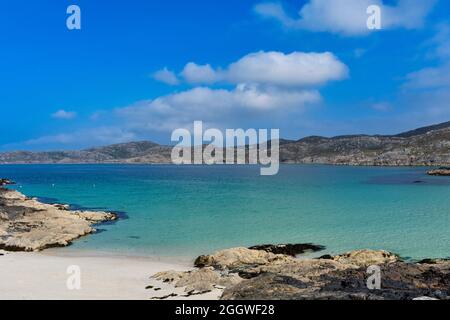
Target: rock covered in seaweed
point(5, 182)
point(289, 249)
point(364, 257)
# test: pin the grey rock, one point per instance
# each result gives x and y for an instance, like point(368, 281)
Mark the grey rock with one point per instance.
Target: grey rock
point(339, 279)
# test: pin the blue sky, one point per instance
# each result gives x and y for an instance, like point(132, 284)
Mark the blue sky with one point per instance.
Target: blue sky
point(139, 69)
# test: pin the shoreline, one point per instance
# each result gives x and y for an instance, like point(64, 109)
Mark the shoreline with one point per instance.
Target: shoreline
point(70, 252)
point(264, 272)
point(35, 266)
point(435, 166)
point(44, 276)
point(231, 274)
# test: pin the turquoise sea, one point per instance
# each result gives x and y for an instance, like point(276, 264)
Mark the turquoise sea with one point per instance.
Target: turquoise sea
point(190, 210)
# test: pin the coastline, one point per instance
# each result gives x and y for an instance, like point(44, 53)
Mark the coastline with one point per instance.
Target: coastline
point(264, 272)
point(34, 266)
point(43, 276)
point(232, 274)
point(26, 224)
point(288, 163)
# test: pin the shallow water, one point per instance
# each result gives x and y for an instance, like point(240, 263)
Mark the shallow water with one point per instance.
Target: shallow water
point(186, 211)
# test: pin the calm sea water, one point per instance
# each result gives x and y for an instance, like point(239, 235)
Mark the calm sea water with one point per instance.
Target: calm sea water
point(187, 211)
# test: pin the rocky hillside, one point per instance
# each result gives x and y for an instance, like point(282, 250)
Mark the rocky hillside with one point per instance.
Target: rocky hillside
point(145, 151)
point(428, 146)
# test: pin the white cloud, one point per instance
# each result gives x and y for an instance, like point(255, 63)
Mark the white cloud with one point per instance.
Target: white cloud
point(276, 11)
point(166, 76)
point(64, 115)
point(261, 88)
point(434, 78)
point(84, 137)
point(440, 42)
point(359, 52)
point(194, 73)
point(381, 106)
point(265, 84)
point(426, 91)
point(429, 78)
point(349, 17)
point(218, 108)
point(213, 106)
point(297, 69)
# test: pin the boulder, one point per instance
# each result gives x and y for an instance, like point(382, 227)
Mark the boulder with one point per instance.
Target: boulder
point(237, 258)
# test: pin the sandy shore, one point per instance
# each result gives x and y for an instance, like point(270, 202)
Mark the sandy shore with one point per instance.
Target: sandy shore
point(29, 225)
point(43, 276)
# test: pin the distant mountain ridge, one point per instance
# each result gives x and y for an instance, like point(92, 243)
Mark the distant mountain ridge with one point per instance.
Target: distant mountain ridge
point(424, 130)
point(426, 146)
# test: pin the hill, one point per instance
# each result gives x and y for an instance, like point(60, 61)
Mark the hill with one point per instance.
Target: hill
point(427, 146)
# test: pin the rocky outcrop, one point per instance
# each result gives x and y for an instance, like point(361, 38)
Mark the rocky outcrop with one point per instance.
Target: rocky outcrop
point(442, 172)
point(399, 281)
point(29, 225)
point(344, 277)
point(259, 275)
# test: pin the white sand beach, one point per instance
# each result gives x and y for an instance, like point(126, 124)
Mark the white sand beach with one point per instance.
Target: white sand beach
point(43, 276)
